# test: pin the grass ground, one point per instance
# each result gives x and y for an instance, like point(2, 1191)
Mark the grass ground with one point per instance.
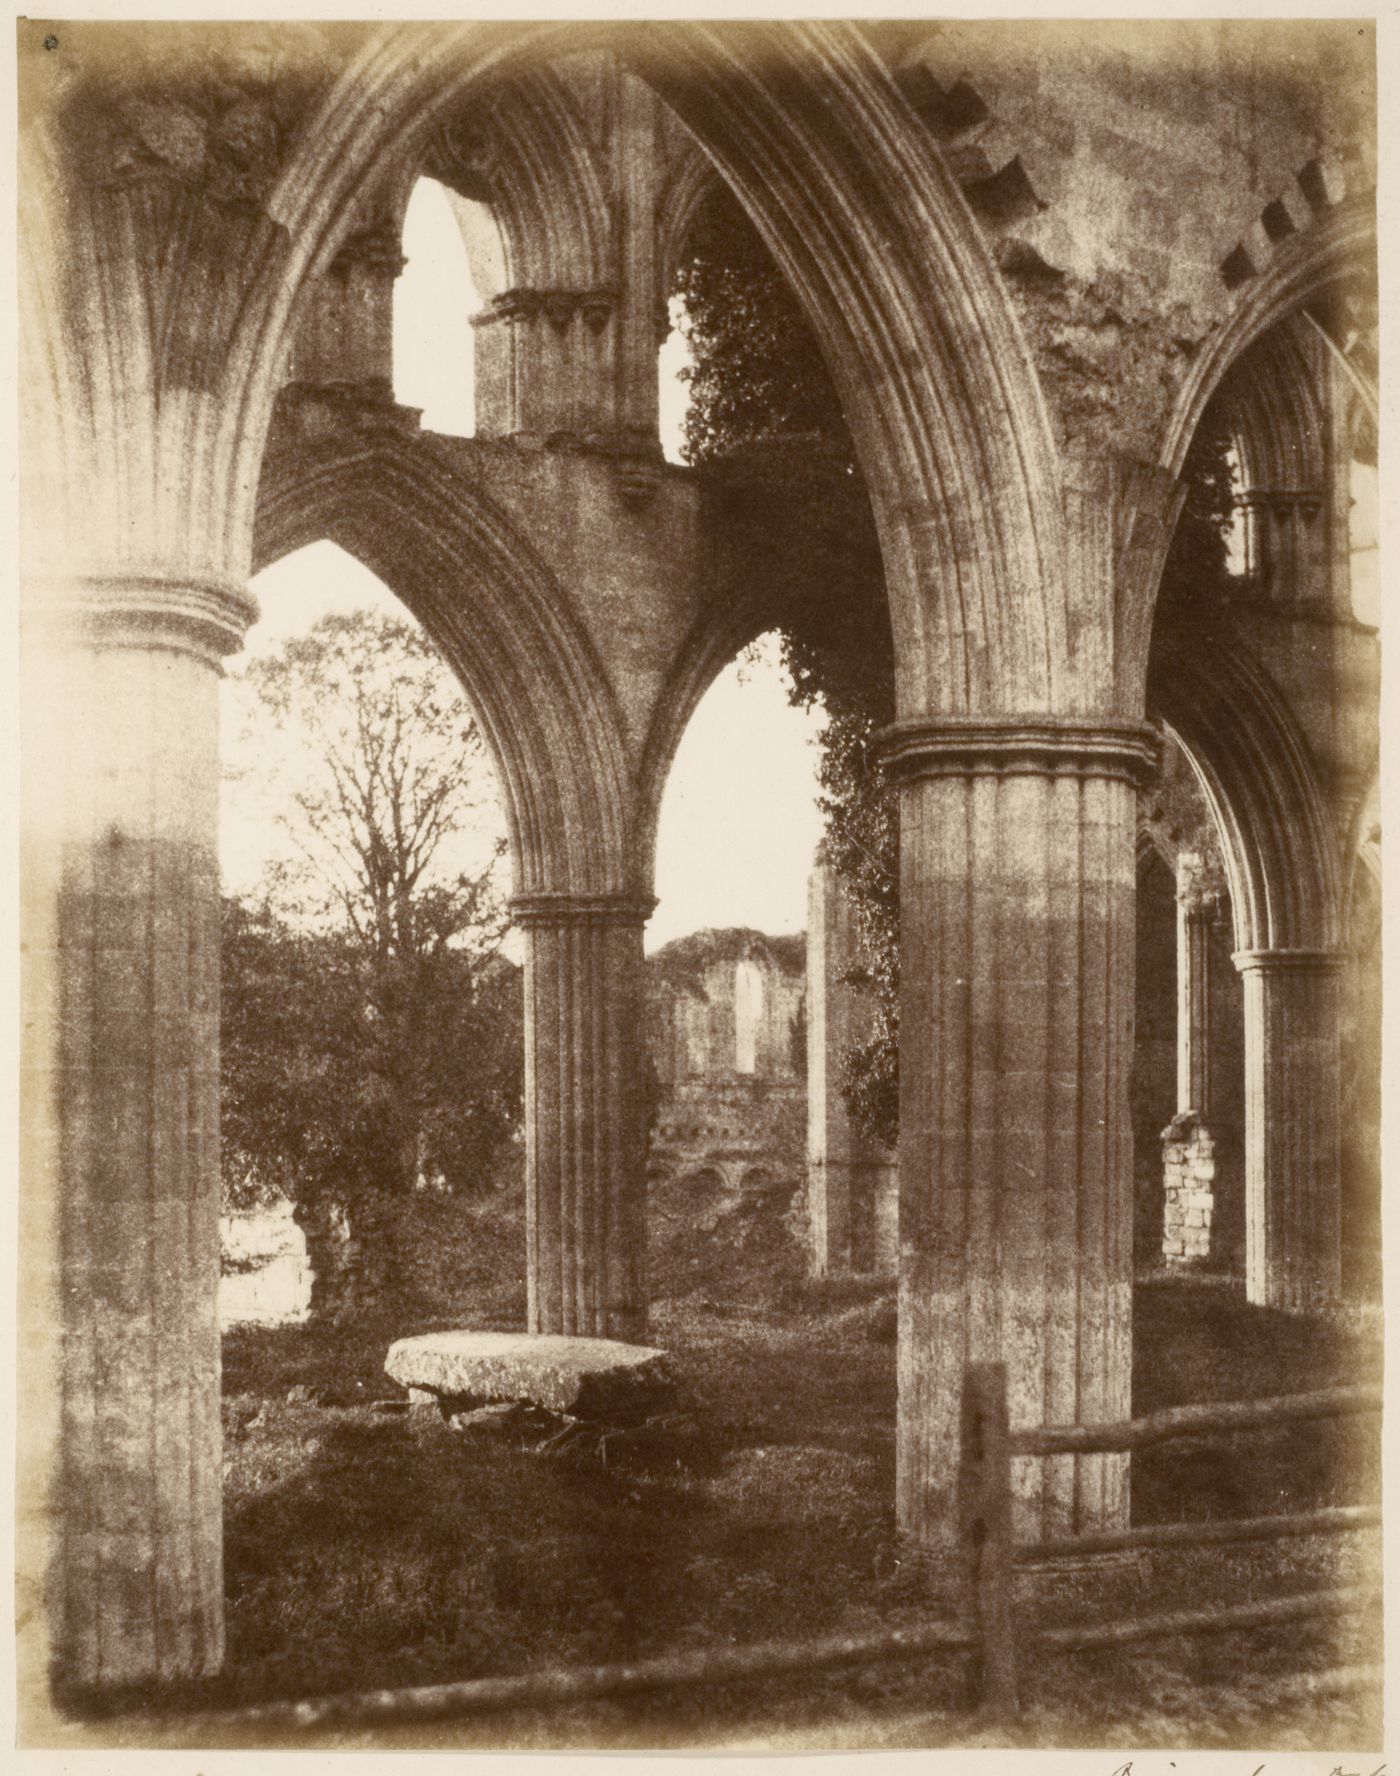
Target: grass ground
point(367, 1548)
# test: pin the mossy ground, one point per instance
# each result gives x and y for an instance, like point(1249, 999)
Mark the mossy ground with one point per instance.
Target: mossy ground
point(369, 1548)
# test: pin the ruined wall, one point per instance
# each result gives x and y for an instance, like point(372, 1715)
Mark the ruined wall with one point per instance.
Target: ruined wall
point(725, 1041)
point(1131, 173)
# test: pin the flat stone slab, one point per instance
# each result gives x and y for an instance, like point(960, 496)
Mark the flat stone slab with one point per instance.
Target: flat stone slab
point(590, 1378)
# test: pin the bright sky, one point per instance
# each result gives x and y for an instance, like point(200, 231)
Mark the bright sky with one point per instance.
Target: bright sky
point(739, 823)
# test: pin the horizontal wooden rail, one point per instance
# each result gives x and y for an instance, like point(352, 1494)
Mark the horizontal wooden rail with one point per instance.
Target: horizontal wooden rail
point(1192, 1421)
point(1301, 1606)
point(1206, 1531)
point(586, 1683)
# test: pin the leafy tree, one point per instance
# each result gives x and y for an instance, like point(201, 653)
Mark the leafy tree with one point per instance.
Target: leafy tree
point(370, 1025)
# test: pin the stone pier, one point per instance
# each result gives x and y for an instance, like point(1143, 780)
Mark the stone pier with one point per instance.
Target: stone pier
point(122, 973)
point(585, 1113)
point(1188, 1177)
point(1018, 858)
point(1292, 1134)
point(1188, 1142)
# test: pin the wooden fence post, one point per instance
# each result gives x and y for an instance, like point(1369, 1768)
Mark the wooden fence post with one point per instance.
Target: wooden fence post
point(985, 1494)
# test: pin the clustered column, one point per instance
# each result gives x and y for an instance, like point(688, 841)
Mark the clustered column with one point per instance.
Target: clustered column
point(1017, 905)
point(1292, 1130)
point(585, 1113)
point(1188, 1143)
point(121, 1074)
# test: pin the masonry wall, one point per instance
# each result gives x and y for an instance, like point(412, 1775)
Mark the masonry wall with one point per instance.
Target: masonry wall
point(725, 1023)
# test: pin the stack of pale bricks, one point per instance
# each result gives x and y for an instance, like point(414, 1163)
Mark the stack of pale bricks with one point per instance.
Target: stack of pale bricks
point(1188, 1153)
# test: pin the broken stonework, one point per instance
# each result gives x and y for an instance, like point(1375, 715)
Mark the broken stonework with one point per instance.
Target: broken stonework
point(589, 1378)
point(1188, 1152)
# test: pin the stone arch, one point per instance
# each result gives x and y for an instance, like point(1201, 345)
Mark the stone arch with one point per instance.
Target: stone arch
point(1271, 403)
point(493, 607)
point(868, 223)
point(1258, 775)
point(541, 179)
point(692, 179)
point(1303, 269)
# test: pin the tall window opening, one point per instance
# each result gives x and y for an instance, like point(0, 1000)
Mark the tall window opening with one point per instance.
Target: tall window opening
point(453, 264)
point(748, 1014)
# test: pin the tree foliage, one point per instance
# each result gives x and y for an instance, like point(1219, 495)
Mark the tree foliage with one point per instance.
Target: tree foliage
point(370, 1026)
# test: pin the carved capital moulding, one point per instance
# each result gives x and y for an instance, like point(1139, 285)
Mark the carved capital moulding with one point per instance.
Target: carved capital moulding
point(547, 908)
point(1281, 503)
point(204, 615)
point(1305, 962)
point(559, 307)
point(1039, 745)
point(379, 248)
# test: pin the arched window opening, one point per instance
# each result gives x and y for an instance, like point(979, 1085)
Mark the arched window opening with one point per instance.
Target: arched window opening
point(673, 361)
point(739, 819)
point(438, 292)
point(1241, 543)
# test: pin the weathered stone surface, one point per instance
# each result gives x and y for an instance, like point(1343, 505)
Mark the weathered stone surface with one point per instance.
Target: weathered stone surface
point(594, 1378)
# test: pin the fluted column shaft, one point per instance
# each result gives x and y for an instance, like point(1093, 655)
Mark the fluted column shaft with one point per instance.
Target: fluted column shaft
point(1195, 915)
point(121, 1078)
point(1292, 1133)
point(585, 1114)
point(1016, 1035)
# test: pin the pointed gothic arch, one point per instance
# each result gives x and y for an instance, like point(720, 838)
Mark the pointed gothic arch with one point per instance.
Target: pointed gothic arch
point(489, 601)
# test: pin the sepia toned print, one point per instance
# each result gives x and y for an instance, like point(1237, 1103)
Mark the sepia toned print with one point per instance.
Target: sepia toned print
point(956, 1325)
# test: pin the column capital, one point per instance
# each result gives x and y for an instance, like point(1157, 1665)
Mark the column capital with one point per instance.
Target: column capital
point(551, 908)
point(1033, 745)
point(1320, 962)
point(523, 302)
point(200, 614)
